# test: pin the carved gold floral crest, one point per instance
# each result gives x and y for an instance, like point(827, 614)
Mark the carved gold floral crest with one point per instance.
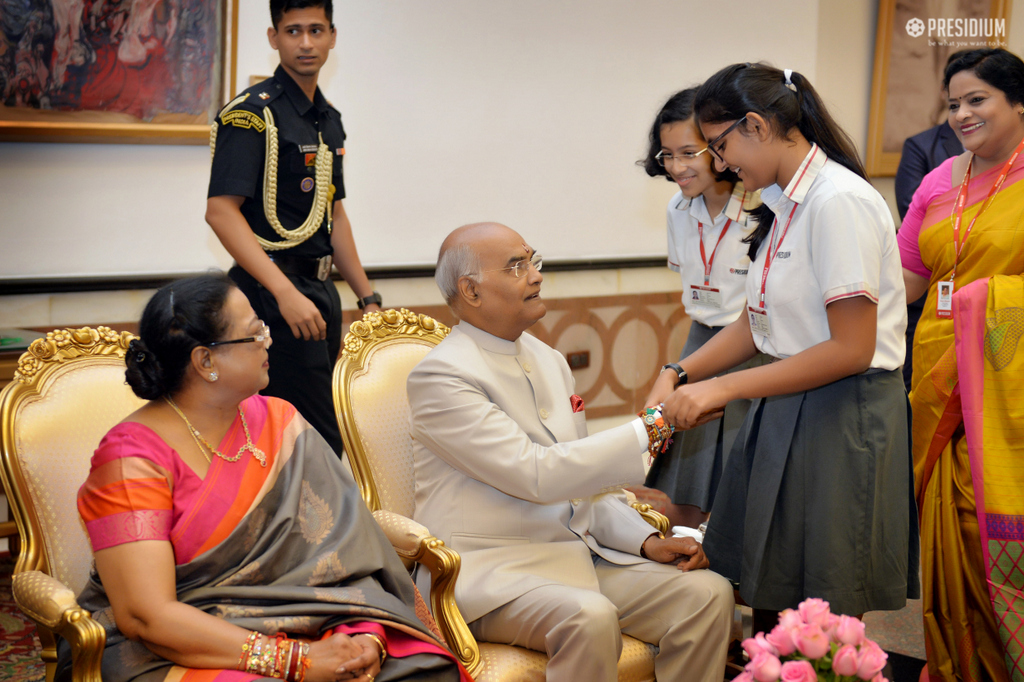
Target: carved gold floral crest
point(65, 344)
point(380, 325)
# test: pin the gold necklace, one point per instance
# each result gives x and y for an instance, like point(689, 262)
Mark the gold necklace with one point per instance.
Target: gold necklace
point(200, 441)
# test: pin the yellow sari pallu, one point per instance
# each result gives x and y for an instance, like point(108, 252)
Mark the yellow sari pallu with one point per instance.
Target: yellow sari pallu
point(968, 435)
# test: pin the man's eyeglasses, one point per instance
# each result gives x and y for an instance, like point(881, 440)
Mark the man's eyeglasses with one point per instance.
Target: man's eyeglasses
point(663, 157)
point(715, 146)
point(520, 267)
point(262, 336)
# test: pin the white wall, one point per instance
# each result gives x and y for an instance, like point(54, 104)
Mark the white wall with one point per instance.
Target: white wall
point(529, 112)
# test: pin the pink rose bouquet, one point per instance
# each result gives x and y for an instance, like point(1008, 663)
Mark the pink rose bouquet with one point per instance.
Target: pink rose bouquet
point(811, 644)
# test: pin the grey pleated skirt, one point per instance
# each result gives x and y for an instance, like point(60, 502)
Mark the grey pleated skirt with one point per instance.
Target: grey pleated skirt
point(689, 471)
point(817, 500)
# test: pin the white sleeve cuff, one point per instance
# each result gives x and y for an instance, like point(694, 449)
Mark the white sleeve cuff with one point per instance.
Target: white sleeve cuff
point(645, 443)
point(850, 291)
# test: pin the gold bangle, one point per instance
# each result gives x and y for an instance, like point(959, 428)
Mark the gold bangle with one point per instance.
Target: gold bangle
point(250, 643)
point(380, 643)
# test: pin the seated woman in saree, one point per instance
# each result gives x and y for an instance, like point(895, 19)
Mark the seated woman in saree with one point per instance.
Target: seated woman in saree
point(961, 243)
point(230, 541)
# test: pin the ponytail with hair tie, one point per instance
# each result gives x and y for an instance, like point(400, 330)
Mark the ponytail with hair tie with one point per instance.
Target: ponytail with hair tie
point(788, 73)
point(740, 89)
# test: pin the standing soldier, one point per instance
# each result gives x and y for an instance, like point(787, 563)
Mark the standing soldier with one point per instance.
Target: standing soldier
point(275, 204)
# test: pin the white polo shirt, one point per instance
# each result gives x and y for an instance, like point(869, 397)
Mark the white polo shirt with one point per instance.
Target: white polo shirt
point(721, 300)
point(841, 243)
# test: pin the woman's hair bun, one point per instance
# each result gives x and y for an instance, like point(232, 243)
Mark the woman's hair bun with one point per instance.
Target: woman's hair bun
point(180, 316)
point(144, 373)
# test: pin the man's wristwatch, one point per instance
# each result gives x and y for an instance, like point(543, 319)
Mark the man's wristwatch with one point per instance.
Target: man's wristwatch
point(369, 300)
point(680, 373)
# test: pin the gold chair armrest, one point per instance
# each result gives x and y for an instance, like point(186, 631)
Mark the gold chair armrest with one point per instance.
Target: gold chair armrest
point(652, 516)
point(52, 605)
point(413, 541)
point(404, 534)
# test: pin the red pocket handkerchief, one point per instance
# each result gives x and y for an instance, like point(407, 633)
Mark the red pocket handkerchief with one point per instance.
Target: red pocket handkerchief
point(576, 402)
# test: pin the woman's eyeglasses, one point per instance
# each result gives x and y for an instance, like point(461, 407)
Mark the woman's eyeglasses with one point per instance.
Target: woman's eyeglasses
point(262, 336)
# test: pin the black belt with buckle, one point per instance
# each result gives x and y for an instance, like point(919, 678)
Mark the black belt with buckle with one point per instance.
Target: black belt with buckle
point(314, 268)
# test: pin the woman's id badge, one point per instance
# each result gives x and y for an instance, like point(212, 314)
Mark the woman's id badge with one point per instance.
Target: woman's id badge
point(944, 305)
point(759, 321)
point(705, 297)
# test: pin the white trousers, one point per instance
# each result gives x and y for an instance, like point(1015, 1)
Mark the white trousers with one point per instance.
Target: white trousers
point(687, 615)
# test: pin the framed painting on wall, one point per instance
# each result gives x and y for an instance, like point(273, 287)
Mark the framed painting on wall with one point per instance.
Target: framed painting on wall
point(128, 71)
point(913, 41)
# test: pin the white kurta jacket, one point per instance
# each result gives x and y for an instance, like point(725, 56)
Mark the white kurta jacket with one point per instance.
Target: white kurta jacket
point(507, 476)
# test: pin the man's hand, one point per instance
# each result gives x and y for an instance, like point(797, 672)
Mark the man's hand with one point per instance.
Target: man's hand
point(302, 316)
point(671, 550)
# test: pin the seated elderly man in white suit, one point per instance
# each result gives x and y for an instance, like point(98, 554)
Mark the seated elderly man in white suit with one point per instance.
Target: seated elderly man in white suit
point(553, 558)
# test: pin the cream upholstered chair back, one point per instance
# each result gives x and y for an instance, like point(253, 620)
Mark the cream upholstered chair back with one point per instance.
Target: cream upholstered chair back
point(372, 406)
point(68, 391)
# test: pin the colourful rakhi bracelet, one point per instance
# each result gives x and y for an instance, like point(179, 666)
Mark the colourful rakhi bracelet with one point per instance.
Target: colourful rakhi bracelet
point(659, 432)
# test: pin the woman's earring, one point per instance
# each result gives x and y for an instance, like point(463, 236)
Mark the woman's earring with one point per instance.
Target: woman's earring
point(213, 376)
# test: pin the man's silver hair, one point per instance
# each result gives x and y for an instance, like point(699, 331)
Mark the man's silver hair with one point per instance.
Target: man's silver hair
point(455, 263)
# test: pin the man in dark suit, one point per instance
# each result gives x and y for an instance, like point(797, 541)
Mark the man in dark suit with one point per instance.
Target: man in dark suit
point(922, 153)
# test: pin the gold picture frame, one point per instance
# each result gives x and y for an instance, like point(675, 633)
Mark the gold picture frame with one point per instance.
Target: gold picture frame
point(913, 41)
point(27, 124)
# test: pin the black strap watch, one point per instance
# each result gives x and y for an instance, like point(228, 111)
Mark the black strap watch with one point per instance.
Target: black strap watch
point(369, 300)
point(680, 373)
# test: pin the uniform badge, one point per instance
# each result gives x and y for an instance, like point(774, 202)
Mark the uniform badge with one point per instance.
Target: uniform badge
point(243, 119)
point(307, 184)
point(264, 95)
point(311, 159)
point(340, 151)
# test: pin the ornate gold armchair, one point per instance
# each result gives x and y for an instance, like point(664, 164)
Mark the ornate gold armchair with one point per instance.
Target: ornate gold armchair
point(68, 391)
point(369, 391)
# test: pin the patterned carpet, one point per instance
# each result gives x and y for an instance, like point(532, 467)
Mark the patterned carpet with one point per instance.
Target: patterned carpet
point(19, 647)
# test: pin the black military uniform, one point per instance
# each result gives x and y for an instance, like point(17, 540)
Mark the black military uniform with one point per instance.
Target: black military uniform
point(300, 371)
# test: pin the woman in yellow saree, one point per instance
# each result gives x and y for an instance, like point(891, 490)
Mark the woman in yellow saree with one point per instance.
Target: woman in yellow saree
point(964, 233)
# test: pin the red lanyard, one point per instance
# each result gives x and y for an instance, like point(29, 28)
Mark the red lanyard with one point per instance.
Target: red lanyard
point(703, 255)
point(773, 249)
point(961, 199)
